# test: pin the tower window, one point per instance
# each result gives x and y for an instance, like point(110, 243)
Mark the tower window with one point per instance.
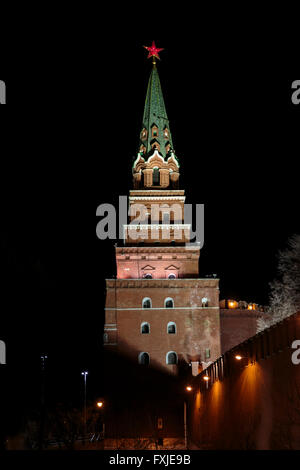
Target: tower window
point(144, 359)
point(172, 276)
point(172, 358)
point(148, 276)
point(144, 134)
point(145, 329)
point(207, 353)
point(154, 131)
point(169, 303)
point(172, 328)
point(204, 302)
point(166, 218)
point(147, 303)
point(156, 176)
point(155, 145)
point(105, 338)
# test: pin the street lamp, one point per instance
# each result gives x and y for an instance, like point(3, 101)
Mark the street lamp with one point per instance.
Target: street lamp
point(100, 406)
point(243, 359)
point(43, 358)
point(84, 374)
point(188, 389)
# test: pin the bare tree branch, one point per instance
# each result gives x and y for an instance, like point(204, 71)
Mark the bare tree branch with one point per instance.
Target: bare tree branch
point(285, 290)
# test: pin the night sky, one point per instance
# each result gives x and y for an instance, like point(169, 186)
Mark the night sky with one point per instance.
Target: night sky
point(68, 139)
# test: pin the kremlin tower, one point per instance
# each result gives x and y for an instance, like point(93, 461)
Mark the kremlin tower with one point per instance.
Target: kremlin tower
point(158, 311)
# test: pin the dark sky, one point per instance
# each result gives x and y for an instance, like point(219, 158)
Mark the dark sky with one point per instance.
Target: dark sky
point(68, 138)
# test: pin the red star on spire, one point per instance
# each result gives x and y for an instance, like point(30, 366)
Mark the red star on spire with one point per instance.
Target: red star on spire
point(153, 51)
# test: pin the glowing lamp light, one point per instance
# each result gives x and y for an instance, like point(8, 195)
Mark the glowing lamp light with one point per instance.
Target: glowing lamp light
point(206, 378)
point(189, 389)
point(238, 357)
point(100, 404)
point(232, 304)
point(250, 307)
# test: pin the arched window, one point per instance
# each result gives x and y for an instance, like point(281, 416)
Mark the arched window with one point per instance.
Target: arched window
point(148, 276)
point(156, 177)
point(147, 303)
point(204, 302)
point(172, 276)
point(154, 130)
point(169, 303)
point(144, 134)
point(172, 358)
point(105, 338)
point(172, 328)
point(207, 353)
point(145, 328)
point(144, 359)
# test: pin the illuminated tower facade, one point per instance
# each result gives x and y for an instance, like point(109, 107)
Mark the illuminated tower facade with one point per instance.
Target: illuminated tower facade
point(158, 311)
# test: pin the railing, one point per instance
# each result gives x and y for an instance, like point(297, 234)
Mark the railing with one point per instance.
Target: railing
point(91, 438)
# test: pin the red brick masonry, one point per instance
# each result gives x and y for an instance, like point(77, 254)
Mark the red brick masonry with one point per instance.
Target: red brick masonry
point(197, 327)
point(237, 325)
point(253, 403)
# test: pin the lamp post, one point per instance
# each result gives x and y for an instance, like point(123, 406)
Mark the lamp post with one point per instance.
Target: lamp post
point(43, 358)
point(188, 389)
point(100, 406)
point(84, 374)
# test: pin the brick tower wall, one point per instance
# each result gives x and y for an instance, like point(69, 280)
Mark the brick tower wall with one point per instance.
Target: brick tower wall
point(237, 325)
point(197, 327)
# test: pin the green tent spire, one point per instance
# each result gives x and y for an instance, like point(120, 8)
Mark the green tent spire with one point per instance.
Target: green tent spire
point(155, 128)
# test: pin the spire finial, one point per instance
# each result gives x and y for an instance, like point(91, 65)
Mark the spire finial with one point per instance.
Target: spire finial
point(153, 52)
